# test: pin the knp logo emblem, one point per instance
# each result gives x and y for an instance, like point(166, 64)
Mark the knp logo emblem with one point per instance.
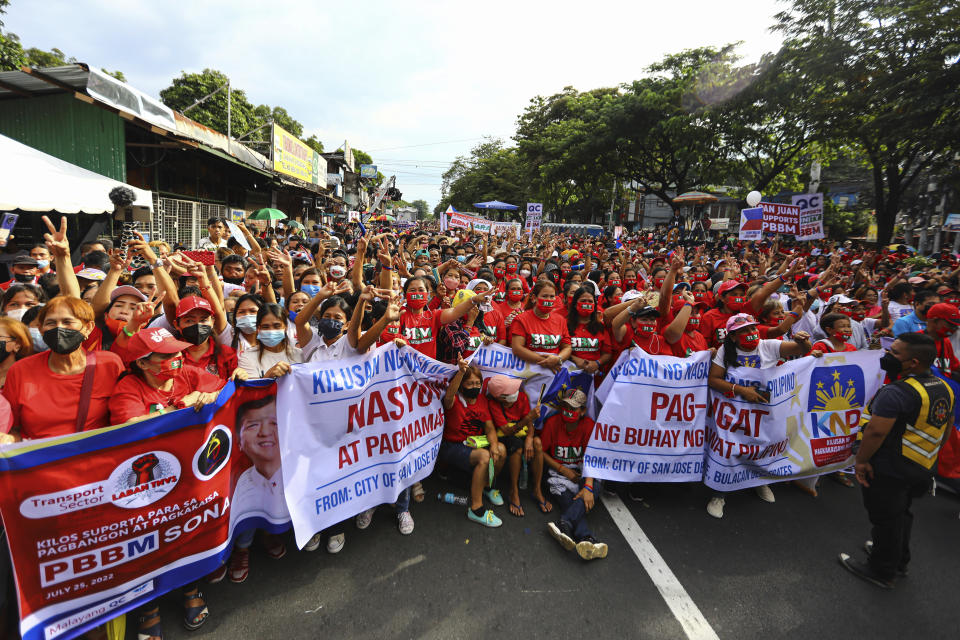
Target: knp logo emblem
point(836, 388)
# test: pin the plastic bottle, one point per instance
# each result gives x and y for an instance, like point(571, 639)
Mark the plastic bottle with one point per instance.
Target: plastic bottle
point(452, 498)
point(523, 476)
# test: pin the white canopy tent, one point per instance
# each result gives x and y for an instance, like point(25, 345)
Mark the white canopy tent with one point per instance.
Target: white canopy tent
point(35, 181)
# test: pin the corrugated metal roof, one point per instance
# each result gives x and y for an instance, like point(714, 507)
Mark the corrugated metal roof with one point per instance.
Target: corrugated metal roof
point(74, 75)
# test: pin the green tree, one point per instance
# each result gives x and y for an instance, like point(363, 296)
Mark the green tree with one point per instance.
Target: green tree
point(280, 117)
point(314, 144)
point(490, 172)
point(423, 209)
point(190, 87)
point(881, 75)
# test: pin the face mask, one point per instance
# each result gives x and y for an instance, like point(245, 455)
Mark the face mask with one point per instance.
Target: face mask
point(63, 341)
point(565, 271)
point(38, 344)
point(461, 259)
point(43, 264)
point(470, 393)
point(954, 301)
point(524, 273)
point(337, 272)
point(658, 282)
point(844, 311)
point(416, 300)
point(197, 333)
point(749, 342)
point(647, 328)
point(699, 277)
point(890, 364)
point(736, 303)
point(498, 273)
point(859, 317)
point(629, 283)
point(515, 295)
point(926, 309)
point(237, 281)
point(310, 289)
point(23, 278)
point(585, 308)
point(825, 295)
point(842, 334)
point(511, 268)
point(17, 314)
point(698, 295)
point(945, 332)
point(452, 284)
point(616, 300)
point(329, 328)
point(510, 399)
point(693, 324)
point(247, 324)
point(271, 337)
point(614, 283)
point(169, 369)
point(569, 415)
point(544, 306)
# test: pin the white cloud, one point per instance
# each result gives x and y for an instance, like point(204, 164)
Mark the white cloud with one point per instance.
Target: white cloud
point(386, 74)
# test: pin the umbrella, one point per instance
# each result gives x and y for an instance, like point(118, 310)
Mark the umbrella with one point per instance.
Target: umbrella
point(695, 197)
point(268, 214)
point(495, 204)
point(295, 224)
point(383, 218)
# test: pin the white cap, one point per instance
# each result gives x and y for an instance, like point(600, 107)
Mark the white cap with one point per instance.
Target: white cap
point(633, 294)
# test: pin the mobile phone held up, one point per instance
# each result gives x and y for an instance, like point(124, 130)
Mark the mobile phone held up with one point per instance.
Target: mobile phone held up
point(203, 257)
point(6, 227)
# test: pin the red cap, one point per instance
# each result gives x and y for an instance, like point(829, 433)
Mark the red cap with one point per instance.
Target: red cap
point(944, 311)
point(728, 285)
point(190, 303)
point(154, 340)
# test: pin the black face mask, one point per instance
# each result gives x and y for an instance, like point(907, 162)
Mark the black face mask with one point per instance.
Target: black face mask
point(63, 341)
point(197, 333)
point(25, 278)
point(237, 281)
point(470, 393)
point(329, 328)
point(926, 309)
point(4, 354)
point(890, 364)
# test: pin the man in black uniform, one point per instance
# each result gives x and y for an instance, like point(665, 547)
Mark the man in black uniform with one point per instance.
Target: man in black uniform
point(909, 421)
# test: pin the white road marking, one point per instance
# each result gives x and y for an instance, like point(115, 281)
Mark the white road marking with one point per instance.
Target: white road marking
point(400, 567)
point(684, 610)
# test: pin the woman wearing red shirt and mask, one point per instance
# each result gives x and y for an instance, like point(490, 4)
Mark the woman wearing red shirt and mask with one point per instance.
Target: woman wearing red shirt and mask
point(642, 330)
point(732, 299)
point(589, 339)
point(537, 335)
point(420, 326)
point(690, 340)
point(512, 305)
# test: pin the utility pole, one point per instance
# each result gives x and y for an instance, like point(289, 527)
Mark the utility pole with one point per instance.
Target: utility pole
point(613, 198)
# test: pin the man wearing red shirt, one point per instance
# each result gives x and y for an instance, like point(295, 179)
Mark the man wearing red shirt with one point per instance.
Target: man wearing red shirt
point(942, 321)
point(564, 437)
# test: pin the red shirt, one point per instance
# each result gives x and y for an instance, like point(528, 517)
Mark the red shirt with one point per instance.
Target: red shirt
point(689, 342)
point(946, 359)
point(133, 397)
point(390, 333)
point(713, 326)
point(493, 321)
point(474, 341)
point(589, 346)
point(566, 447)
point(653, 343)
point(507, 313)
point(421, 331)
point(222, 366)
point(45, 403)
point(503, 416)
point(826, 347)
point(464, 420)
point(541, 336)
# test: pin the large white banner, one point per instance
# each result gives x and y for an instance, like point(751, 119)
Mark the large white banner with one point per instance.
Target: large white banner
point(494, 359)
point(482, 225)
point(811, 216)
point(807, 427)
point(651, 426)
point(356, 432)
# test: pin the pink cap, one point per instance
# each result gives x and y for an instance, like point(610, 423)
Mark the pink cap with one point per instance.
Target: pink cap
point(740, 321)
point(502, 386)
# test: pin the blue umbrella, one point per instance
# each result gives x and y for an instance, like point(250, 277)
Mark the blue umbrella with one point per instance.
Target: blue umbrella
point(495, 204)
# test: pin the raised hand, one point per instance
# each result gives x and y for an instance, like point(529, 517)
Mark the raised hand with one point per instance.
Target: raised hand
point(57, 242)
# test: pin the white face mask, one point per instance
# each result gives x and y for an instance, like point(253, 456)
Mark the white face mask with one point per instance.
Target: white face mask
point(17, 314)
point(511, 398)
point(336, 271)
point(525, 273)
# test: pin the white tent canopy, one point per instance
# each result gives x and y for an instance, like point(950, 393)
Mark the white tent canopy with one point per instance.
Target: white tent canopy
point(35, 181)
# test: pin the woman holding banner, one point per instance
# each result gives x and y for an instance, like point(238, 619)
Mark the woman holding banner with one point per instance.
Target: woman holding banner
point(539, 336)
point(742, 347)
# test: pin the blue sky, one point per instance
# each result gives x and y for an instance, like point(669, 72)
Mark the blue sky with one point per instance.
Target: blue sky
point(412, 83)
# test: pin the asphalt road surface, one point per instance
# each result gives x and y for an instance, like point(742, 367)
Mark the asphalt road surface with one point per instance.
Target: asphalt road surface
point(763, 571)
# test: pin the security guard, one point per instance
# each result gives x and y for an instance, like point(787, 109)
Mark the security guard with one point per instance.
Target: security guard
point(909, 421)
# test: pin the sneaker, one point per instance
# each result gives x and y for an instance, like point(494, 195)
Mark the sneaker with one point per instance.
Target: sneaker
point(314, 542)
point(765, 493)
point(489, 518)
point(590, 549)
point(561, 536)
point(275, 547)
point(715, 506)
point(364, 518)
point(239, 565)
point(335, 543)
point(493, 495)
point(868, 547)
point(218, 575)
point(405, 523)
point(864, 572)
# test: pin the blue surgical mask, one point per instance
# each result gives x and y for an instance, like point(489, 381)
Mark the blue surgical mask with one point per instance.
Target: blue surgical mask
point(247, 324)
point(461, 258)
point(38, 343)
point(310, 289)
point(271, 337)
point(43, 264)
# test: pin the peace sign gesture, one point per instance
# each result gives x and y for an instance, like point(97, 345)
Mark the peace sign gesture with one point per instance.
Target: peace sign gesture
point(57, 242)
point(145, 310)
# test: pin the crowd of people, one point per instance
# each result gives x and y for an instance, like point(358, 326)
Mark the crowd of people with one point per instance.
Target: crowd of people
point(137, 330)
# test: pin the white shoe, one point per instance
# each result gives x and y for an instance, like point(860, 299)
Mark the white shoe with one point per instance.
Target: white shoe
point(715, 506)
point(405, 522)
point(335, 543)
point(765, 493)
point(314, 543)
point(364, 518)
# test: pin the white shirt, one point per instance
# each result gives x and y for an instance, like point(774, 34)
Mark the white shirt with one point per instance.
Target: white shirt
point(766, 355)
point(255, 496)
point(256, 366)
point(317, 349)
point(226, 338)
point(898, 310)
point(207, 244)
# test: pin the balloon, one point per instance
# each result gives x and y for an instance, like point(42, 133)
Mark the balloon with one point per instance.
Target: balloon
point(753, 198)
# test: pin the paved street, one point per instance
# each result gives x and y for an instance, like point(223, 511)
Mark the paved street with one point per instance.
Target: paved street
point(764, 571)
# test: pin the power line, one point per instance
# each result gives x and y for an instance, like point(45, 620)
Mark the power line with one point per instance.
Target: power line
point(428, 144)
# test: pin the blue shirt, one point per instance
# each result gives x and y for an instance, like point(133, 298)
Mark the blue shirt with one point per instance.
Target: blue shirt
point(909, 324)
